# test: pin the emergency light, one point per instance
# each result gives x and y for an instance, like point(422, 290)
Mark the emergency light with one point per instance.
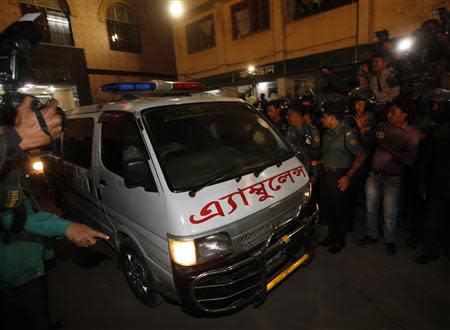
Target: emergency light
point(153, 86)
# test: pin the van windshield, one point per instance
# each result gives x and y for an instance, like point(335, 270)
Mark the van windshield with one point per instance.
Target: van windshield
point(196, 142)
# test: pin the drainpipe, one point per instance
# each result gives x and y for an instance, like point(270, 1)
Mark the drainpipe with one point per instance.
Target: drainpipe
point(357, 33)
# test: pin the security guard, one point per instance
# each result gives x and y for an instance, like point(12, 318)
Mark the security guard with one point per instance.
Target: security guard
point(342, 156)
point(305, 140)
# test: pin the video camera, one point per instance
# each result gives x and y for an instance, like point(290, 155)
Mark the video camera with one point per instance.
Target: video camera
point(16, 43)
point(415, 58)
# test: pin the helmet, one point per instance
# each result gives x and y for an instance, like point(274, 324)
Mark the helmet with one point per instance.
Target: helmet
point(308, 97)
point(362, 93)
point(335, 104)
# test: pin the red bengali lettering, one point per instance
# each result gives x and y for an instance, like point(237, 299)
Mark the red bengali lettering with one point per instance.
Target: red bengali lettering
point(232, 202)
point(208, 213)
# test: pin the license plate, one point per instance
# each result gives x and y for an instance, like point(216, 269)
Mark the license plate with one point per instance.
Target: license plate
point(276, 260)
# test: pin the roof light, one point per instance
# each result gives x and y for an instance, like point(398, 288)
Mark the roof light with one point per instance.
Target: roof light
point(155, 86)
point(190, 86)
point(129, 87)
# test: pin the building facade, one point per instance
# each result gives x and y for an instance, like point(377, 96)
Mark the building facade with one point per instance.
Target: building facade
point(282, 44)
point(88, 43)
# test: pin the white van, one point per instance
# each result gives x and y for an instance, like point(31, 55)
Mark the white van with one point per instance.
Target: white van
point(203, 199)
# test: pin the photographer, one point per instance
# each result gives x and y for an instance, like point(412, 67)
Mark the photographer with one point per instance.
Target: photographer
point(23, 290)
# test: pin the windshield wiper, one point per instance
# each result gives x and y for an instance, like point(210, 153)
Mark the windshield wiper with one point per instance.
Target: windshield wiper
point(220, 175)
point(278, 161)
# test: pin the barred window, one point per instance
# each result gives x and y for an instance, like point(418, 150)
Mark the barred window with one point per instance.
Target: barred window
point(250, 16)
point(298, 9)
point(123, 29)
point(54, 21)
point(200, 34)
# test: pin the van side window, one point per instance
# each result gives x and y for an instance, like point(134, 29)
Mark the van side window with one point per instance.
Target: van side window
point(120, 136)
point(77, 142)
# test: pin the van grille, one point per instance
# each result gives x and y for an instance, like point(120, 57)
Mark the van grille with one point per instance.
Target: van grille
point(258, 235)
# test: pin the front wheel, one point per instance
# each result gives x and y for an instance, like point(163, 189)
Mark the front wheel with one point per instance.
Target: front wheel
point(137, 274)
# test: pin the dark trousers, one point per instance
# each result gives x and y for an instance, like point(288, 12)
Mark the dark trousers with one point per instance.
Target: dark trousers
point(336, 205)
point(437, 225)
point(25, 307)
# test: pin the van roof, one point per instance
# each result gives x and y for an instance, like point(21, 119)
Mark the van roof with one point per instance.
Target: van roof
point(143, 103)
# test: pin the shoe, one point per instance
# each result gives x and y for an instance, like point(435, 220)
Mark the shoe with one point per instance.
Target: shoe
point(366, 240)
point(411, 242)
point(336, 248)
point(327, 241)
point(423, 259)
point(390, 249)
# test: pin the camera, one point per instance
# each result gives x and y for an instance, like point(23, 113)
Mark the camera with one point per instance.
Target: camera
point(16, 43)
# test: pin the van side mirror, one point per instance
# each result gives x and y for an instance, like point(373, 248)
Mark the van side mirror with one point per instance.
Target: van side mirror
point(137, 174)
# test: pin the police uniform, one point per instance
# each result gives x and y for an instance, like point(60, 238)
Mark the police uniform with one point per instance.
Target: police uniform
point(339, 148)
point(23, 291)
point(305, 140)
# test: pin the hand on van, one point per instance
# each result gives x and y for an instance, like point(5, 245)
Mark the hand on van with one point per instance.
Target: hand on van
point(82, 235)
point(28, 128)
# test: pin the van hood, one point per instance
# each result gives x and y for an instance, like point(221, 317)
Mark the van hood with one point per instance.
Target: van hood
point(222, 204)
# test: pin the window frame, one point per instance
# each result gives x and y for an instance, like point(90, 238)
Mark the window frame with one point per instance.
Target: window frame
point(193, 25)
point(111, 24)
point(132, 118)
point(251, 16)
point(43, 21)
point(289, 15)
point(64, 139)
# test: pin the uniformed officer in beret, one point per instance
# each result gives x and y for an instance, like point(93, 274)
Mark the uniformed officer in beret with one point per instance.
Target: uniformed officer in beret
point(342, 156)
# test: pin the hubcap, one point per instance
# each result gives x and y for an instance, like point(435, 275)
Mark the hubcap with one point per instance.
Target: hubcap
point(136, 273)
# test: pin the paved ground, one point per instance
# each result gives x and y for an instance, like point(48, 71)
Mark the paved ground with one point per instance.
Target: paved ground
point(361, 288)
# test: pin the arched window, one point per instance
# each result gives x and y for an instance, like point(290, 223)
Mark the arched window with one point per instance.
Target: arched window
point(54, 20)
point(123, 29)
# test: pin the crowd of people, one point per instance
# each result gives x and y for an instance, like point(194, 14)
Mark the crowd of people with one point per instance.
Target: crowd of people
point(377, 147)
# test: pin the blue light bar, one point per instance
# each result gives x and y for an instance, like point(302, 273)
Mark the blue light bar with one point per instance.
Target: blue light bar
point(129, 87)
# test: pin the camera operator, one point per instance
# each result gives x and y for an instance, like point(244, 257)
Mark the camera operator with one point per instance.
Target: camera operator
point(436, 180)
point(23, 289)
point(438, 50)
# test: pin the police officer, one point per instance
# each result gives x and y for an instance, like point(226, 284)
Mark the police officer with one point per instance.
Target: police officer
point(275, 116)
point(342, 156)
point(362, 122)
point(23, 290)
point(436, 181)
point(305, 140)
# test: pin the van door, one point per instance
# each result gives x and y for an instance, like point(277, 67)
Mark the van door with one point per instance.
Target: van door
point(137, 210)
point(79, 192)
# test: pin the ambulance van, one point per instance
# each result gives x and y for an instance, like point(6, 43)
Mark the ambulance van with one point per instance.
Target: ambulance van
point(205, 202)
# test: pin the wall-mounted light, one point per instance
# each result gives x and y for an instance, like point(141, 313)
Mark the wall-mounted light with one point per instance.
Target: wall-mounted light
point(251, 69)
point(176, 9)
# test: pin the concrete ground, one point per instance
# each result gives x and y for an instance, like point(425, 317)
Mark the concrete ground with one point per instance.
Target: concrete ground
point(360, 288)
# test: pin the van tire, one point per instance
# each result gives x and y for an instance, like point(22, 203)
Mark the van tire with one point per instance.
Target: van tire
point(138, 276)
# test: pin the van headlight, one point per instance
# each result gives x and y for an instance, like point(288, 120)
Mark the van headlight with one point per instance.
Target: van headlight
point(200, 250)
point(306, 193)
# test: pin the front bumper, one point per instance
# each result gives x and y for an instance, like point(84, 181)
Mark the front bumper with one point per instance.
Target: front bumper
point(248, 278)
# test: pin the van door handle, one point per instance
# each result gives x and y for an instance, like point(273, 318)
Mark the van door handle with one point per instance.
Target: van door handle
point(102, 182)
